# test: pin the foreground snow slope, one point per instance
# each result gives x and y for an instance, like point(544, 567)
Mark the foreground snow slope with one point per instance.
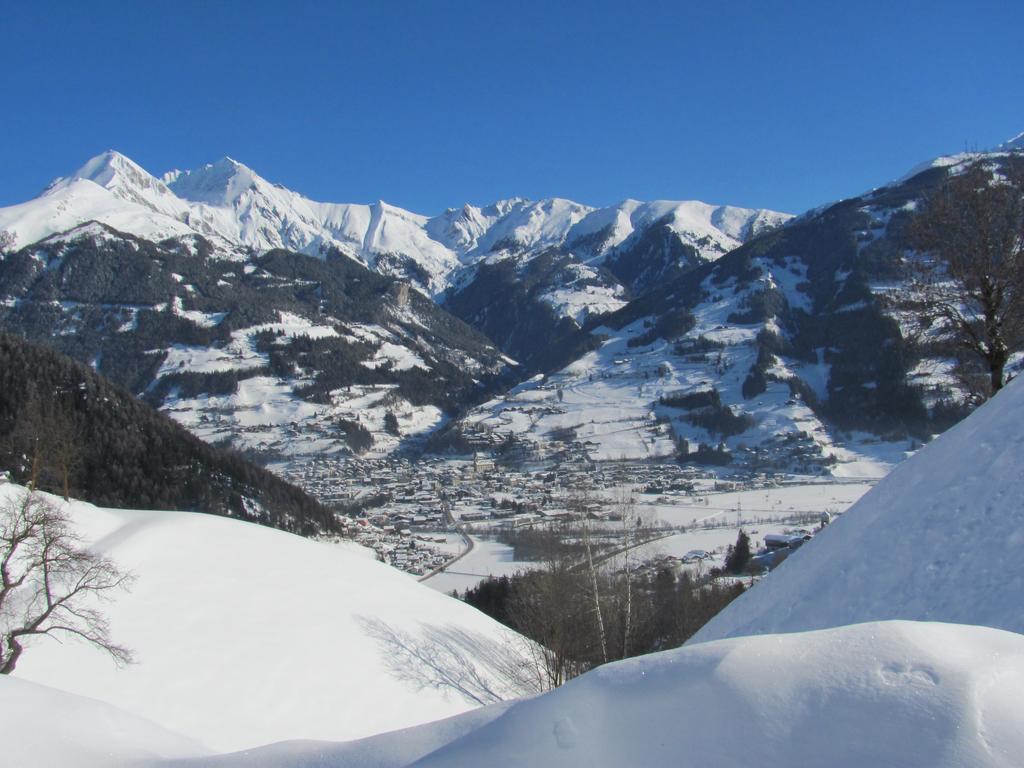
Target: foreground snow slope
point(41, 727)
point(882, 694)
point(896, 693)
point(936, 540)
point(245, 635)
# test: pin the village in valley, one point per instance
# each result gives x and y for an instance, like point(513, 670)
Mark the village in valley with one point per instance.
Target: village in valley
point(451, 522)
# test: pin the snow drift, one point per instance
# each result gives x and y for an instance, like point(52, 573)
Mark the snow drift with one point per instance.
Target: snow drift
point(894, 693)
point(936, 540)
point(42, 727)
point(889, 693)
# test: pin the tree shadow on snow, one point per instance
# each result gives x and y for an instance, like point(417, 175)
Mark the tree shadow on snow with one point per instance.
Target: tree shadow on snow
point(480, 669)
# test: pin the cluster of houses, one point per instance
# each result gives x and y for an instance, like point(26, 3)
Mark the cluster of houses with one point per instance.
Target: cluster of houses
point(398, 506)
point(791, 452)
point(414, 553)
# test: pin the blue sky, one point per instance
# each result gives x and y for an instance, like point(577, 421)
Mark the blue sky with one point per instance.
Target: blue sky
point(432, 104)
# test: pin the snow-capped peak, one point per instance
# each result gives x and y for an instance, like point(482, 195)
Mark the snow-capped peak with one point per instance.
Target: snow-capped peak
point(713, 229)
point(229, 203)
point(126, 180)
point(219, 183)
point(107, 167)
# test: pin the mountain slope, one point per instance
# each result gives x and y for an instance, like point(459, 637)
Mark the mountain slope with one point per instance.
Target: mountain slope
point(281, 352)
point(244, 635)
point(113, 449)
point(933, 541)
point(795, 351)
point(537, 280)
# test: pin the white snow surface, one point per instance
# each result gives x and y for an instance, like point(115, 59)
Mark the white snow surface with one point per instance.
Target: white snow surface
point(713, 230)
point(891, 693)
point(42, 727)
point(909, 694)
point(245, 635)
point(894, 693)
point(936, 540)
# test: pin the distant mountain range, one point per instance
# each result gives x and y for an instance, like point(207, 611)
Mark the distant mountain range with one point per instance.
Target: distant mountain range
point(237, 210)
point(291, 327)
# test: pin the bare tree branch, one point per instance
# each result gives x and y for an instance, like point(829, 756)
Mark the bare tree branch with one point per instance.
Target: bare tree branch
point(968, 274)
point(49, 582)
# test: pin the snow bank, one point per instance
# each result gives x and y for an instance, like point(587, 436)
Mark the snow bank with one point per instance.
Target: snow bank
point(45, 728)
point(883, 694)
point(936, 540)
point(246, 635)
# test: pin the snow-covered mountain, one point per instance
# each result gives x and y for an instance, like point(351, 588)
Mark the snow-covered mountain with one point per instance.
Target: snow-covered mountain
point(283, 353)
point(799, 325)
point(544, 270)
point(794, 351)
point(231, 205)
point(244, 635)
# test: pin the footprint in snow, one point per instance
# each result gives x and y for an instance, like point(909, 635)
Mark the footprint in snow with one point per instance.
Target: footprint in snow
point(901, 674)
point(565, 733)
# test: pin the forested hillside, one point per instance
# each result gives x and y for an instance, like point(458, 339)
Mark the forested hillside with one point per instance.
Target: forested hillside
point(76, 432)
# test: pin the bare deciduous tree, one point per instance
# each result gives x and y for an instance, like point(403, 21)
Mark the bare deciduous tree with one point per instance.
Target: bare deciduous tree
point(49, 582)
point(969, 277)
point(630, 522)
point(579, 505)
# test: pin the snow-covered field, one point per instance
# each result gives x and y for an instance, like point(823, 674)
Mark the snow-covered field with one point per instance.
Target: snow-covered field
point(487, 558)
point(766, 504)
point(246, 635)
